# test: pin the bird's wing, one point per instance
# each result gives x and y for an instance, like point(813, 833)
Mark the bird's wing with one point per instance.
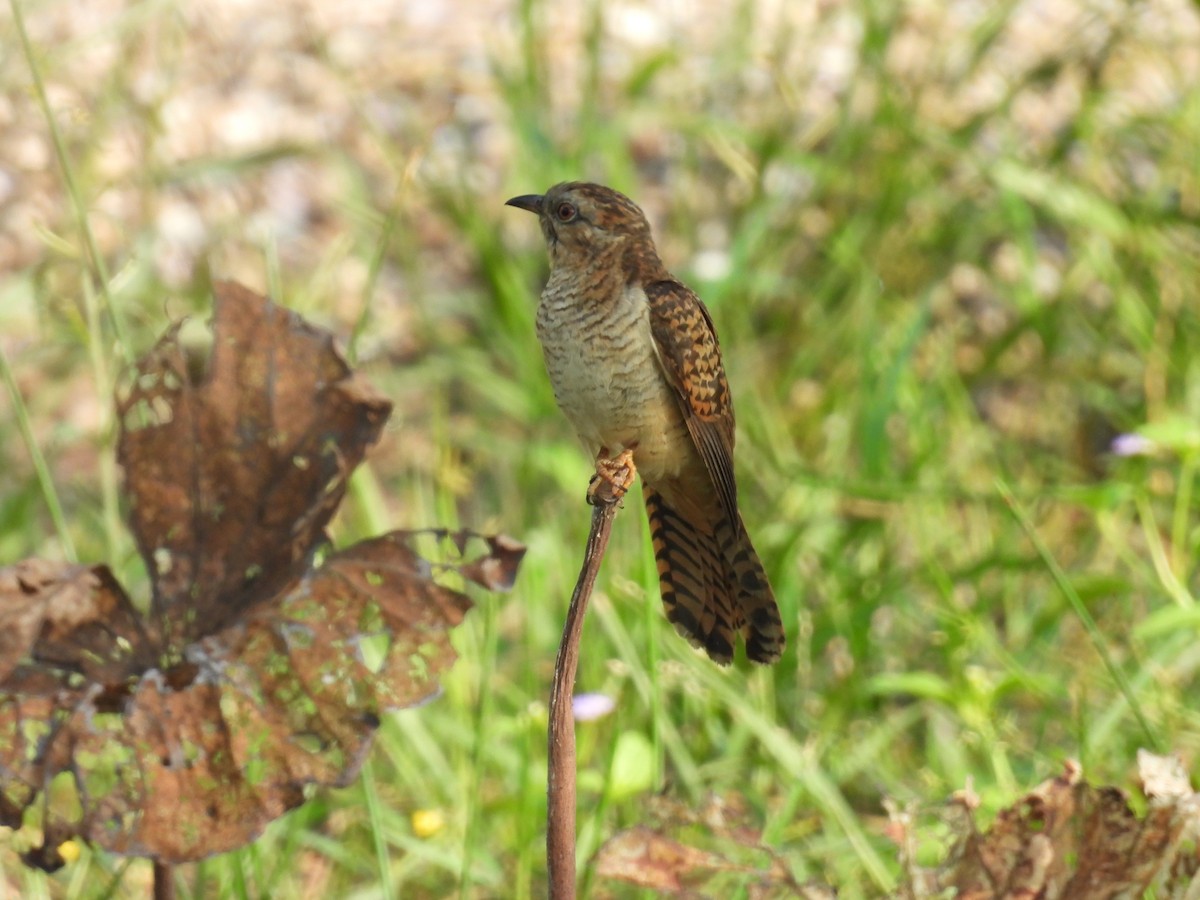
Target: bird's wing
point(686, 343)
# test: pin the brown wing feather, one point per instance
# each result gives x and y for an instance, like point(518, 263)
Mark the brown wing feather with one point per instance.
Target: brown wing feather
point(690, 357)
point(713, 583)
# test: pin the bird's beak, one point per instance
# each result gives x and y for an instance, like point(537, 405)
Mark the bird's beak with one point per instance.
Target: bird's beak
point(530, 202)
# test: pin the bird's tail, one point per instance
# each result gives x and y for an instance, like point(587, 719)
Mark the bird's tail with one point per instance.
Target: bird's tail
point(761, 626)
point(713, 585)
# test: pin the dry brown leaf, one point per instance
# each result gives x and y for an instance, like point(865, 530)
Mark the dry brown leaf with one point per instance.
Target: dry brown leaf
point(232, 480)
point(75, 617)
point(259, 667)
point(1068, 839)
point(644, 857)
point(700, 852)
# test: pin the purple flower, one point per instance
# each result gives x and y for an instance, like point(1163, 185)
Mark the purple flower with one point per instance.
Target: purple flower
point(1132, 445)
point(589, 707)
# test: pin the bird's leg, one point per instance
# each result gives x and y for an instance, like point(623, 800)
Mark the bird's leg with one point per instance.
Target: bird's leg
point(613, 476)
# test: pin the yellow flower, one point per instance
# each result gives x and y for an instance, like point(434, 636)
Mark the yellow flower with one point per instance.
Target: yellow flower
point(427, 822)
point(69, 850)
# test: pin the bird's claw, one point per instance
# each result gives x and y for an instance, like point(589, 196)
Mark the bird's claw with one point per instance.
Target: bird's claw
point(613, 478)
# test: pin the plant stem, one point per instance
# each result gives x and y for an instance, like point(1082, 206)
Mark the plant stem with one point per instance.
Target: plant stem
point(164, 881)
point(560, 786)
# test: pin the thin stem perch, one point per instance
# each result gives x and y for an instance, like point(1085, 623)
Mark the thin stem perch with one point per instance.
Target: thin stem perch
point(560, 833)
point(164, 881)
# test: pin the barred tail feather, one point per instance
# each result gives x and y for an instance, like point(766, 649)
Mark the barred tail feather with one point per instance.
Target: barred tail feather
point(713, 585)
point(696, 595)
point(762, 628)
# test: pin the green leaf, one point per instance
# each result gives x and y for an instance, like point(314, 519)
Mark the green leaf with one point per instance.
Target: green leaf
point(633, 765)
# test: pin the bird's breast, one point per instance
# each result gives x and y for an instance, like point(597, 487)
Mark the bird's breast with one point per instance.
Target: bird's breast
point(603, 367)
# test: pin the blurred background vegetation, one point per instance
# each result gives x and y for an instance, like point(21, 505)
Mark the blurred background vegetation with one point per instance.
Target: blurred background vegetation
point(953, 252)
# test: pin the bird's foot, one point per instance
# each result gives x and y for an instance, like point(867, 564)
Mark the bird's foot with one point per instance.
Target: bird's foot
point(612, 479)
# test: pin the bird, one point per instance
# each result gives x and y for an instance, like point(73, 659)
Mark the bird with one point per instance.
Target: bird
point(635, 365)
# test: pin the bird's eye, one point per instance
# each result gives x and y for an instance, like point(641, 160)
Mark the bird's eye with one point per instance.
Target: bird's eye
point(566, 212)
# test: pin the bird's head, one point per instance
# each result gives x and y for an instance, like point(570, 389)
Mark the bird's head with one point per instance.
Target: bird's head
point(585, 222)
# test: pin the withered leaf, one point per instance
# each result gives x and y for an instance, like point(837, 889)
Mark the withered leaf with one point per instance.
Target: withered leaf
point(232, 480)
point(1068, 839)
point(644, 857)
point(702, 852)
point(77, 618)
point(259, 668)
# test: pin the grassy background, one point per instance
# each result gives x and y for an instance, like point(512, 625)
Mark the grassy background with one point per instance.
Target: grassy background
point(952, 252)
